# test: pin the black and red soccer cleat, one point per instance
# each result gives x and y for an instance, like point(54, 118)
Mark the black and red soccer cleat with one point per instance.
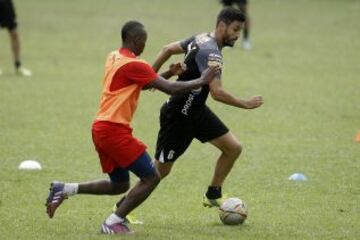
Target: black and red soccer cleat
point(116, 228)
point(55, 198)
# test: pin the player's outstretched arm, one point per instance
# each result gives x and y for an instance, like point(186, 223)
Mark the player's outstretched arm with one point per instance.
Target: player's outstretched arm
point(219, 94)
point(180, 87)
point(166, 52)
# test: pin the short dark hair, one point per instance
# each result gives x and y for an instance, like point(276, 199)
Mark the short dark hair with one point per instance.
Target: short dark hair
point(131, 28)
point(229, 15)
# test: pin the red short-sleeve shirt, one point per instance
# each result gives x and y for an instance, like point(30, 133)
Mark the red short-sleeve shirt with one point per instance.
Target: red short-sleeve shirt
point(133, 72)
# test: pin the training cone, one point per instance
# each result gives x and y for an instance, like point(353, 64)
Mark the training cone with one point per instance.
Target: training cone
point(298, 177)
point(357, 138)
point(30, 165)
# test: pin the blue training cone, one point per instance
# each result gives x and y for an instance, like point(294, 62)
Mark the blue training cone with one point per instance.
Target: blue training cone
point(298, 177)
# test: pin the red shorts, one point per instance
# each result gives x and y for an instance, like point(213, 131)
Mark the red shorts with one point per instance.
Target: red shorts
point(115, 145)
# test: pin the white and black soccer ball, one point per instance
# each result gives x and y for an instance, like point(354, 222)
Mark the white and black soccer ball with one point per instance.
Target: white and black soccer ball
point(233, 211)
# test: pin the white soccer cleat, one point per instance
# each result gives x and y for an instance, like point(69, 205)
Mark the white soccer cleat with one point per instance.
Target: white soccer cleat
point(246, 44)
point(24, 72)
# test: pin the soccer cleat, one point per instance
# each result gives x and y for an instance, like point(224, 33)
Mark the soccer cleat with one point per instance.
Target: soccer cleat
point(23, 72)
point(116, 228)
point(55, 198)
point(212, 202)
point(130, 218)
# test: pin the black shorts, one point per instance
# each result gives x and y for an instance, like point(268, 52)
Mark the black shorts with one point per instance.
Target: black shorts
point(229, 3)
point(177, 131)
point(7, 15)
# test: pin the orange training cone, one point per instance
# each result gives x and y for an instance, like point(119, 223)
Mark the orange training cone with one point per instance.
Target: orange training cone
point(357, 138)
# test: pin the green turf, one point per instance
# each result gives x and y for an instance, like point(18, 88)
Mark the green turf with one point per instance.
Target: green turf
point(305, 63)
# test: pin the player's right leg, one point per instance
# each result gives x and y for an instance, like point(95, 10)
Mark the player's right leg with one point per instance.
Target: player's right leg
point(163, 169)
point(131, 218)
point(149, 179)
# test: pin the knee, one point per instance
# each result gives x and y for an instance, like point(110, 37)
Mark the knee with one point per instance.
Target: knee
point(163, 169)
point(153, 180)
point(163, 173)
point(234, 150)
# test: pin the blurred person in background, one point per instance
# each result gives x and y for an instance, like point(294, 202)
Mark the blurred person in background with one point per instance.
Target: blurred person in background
point(243, 5)
point(8, 21)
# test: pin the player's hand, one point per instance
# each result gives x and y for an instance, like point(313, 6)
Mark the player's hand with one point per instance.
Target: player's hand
point(177, 68)
point(209, 74)
point(254, 102)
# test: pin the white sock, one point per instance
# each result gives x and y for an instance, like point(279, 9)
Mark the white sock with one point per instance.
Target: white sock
point(71, 188)
point(113, 218)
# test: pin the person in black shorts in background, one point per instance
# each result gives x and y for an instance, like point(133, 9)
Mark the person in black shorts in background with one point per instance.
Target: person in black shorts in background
point(186, 116)
point(8, 21)
point(243, 6)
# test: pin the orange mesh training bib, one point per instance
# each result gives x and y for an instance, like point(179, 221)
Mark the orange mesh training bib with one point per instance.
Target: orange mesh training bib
point(118, 106)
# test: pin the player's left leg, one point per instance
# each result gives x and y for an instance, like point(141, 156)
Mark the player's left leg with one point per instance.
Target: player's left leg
point(59, 191)
point(211, 129)
point(230, 150)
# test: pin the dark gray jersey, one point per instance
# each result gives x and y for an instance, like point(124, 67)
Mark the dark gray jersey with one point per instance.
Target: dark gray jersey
point(200, 52)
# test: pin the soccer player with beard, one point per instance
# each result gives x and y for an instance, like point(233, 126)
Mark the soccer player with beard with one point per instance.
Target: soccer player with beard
point(186, 116)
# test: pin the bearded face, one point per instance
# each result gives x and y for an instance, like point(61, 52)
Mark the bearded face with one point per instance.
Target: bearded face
point(231, 33)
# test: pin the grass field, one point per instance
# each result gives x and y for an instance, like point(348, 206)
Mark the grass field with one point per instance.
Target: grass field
point(305, 63)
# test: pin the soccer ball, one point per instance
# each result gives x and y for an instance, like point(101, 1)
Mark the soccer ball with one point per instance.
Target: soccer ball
point(233, 211)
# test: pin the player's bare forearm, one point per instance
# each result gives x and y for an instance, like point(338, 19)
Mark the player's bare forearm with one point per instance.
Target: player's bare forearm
point(165, 53)
point(167, 74)
point(174, 69)
point(178, 87)
point(229, 99)
point(183, 87)
point(173, 88)
point(219, 94)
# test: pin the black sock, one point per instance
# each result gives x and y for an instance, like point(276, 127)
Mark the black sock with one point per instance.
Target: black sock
point(17, 64)
point(214, 192)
